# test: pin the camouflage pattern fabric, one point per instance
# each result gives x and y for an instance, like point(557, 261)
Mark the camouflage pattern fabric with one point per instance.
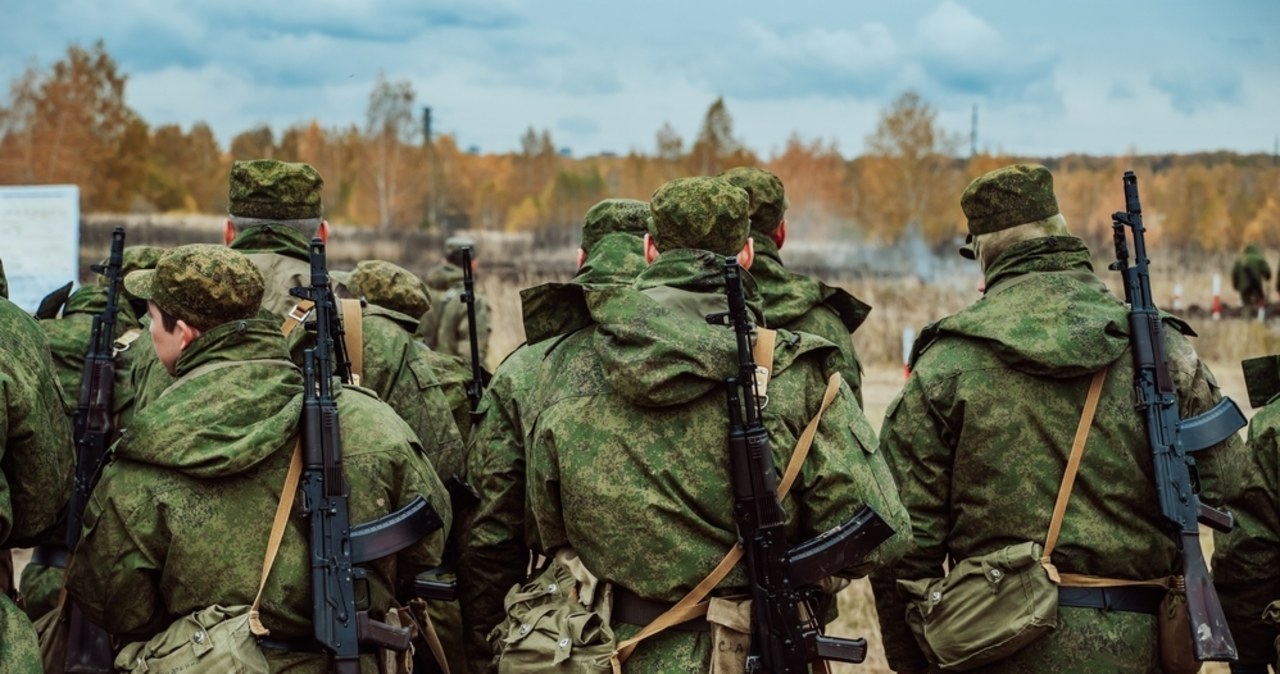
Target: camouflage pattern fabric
point(445, 328)
point(768, 199)
point(1245, 561)
point(37, 463)
point(390, 286)
point(133, 259)
point(798, 303)
point(1250, 275)
point(494, 535)
point(274, 190)
point(19, 649)
point(639, 397)
point(700, 213)
point(283, 257)
point(193, 486)
point(4, 282)
point(979, 438)
point(202, 284)
point(628, 217)
point(1007, 197)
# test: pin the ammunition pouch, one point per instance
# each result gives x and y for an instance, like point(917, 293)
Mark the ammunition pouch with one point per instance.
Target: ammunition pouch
point(215, 639)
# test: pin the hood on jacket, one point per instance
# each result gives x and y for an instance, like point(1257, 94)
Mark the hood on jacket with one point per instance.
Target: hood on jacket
point(653, 338)
point(787, 296)
point(273, 238)
point(1045, 312)
point(443, 276)
point(222, 422)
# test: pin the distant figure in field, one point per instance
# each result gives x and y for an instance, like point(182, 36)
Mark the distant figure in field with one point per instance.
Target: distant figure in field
point(1249, 276)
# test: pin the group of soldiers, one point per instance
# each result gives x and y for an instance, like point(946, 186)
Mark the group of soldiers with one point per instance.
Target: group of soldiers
point(585, 500)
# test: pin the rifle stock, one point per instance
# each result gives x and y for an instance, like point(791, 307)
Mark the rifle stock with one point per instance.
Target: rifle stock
point(475, 387)
point(1170, 439)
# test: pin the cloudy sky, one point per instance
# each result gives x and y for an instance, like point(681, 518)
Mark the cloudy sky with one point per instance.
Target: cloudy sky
point(1094, 76)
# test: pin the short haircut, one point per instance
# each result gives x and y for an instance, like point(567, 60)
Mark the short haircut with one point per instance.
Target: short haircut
point(305, 226)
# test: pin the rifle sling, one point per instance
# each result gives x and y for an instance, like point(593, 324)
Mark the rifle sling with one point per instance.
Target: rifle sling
point(277, 534)
point(694, 604)
point(352, 330)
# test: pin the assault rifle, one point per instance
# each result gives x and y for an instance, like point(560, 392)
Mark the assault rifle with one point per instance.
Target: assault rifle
point(475, 387)
point(89, 646)
point(340, 626)
point(785, 632)
point(1172, 440)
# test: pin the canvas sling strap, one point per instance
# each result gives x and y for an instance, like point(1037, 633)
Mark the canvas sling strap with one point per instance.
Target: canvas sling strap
point(694, 604)
point(352, 327)
point(277, 534)
point(126, 340)
point(1064, 495)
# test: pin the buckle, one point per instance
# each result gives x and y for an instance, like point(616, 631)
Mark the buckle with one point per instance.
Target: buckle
point(301, 318)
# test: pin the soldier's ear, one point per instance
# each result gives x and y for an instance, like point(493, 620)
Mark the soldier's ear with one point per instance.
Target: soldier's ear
point(780, 234)
point(189, 334)
point(228, 233)
point(323, 231)
point(748, 253)
point(582, 257)
point(650, 249)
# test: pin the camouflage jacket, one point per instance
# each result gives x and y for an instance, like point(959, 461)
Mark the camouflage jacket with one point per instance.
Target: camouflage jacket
point(798, 303)
point(37, 463)
point(1250, 274)
point(1246, 562)
point(979, 438)
point(37, 459)
point(639, 397)
point(444, 327)
point(283, 256)
point(494, 538)
point(69, 340)
point(180, 518)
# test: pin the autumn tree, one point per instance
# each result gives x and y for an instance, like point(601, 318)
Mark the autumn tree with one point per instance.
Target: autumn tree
point(258, 142)
point(390, 126)
point(908, 176)
point(813, 175)
point(70, 124)
point(716, 148)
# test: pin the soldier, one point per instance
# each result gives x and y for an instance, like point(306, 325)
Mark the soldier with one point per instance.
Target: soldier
point(445, 327)
point(1245, 561)
point(180, 518)
point(275, 208)
point(1250, 275)
point(401, 297)
point(636, 393)
point(36, 467)
point(68, 341)
point(611, 254)
point(979, 439)
point(794, 301)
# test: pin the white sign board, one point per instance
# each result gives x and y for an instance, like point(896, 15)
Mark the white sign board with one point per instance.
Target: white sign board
point(39, 240)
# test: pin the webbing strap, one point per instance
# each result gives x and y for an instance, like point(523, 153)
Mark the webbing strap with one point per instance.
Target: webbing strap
point(694, 604)
point(296, 316)
point(277, 534)
point(353, 337)
point(1069, 476)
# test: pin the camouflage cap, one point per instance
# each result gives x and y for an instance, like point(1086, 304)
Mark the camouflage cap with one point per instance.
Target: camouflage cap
point(203, 284)
point(614, 216)
point(133, 259)
point(390, 286)
point(1008, 197)
point(275, 190)
point(701, 213)
point(768, 200)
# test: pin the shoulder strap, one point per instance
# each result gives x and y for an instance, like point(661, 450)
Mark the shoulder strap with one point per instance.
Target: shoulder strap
point(1069, 476)
point(125, 341)
point(296, 316)
point(277, 534)
point(694, 604)
point(353, 337)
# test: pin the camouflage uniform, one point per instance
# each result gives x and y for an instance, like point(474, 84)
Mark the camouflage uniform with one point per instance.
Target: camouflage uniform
point(494, 537)
point(638, 395)
point(68, 342)
point(180, 518)
point(794, 301)
point(979, 437)
point(1245, 561)
point(444, 327)
point(1250, 275)
point(36, 465)
point(399, 291)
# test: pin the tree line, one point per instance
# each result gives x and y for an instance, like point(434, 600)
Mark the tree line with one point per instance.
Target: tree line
point(69, 123)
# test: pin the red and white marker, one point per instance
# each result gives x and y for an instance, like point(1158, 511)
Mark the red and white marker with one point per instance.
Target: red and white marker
point(908, 340)
point(1217, 296)
point(1177, 296)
